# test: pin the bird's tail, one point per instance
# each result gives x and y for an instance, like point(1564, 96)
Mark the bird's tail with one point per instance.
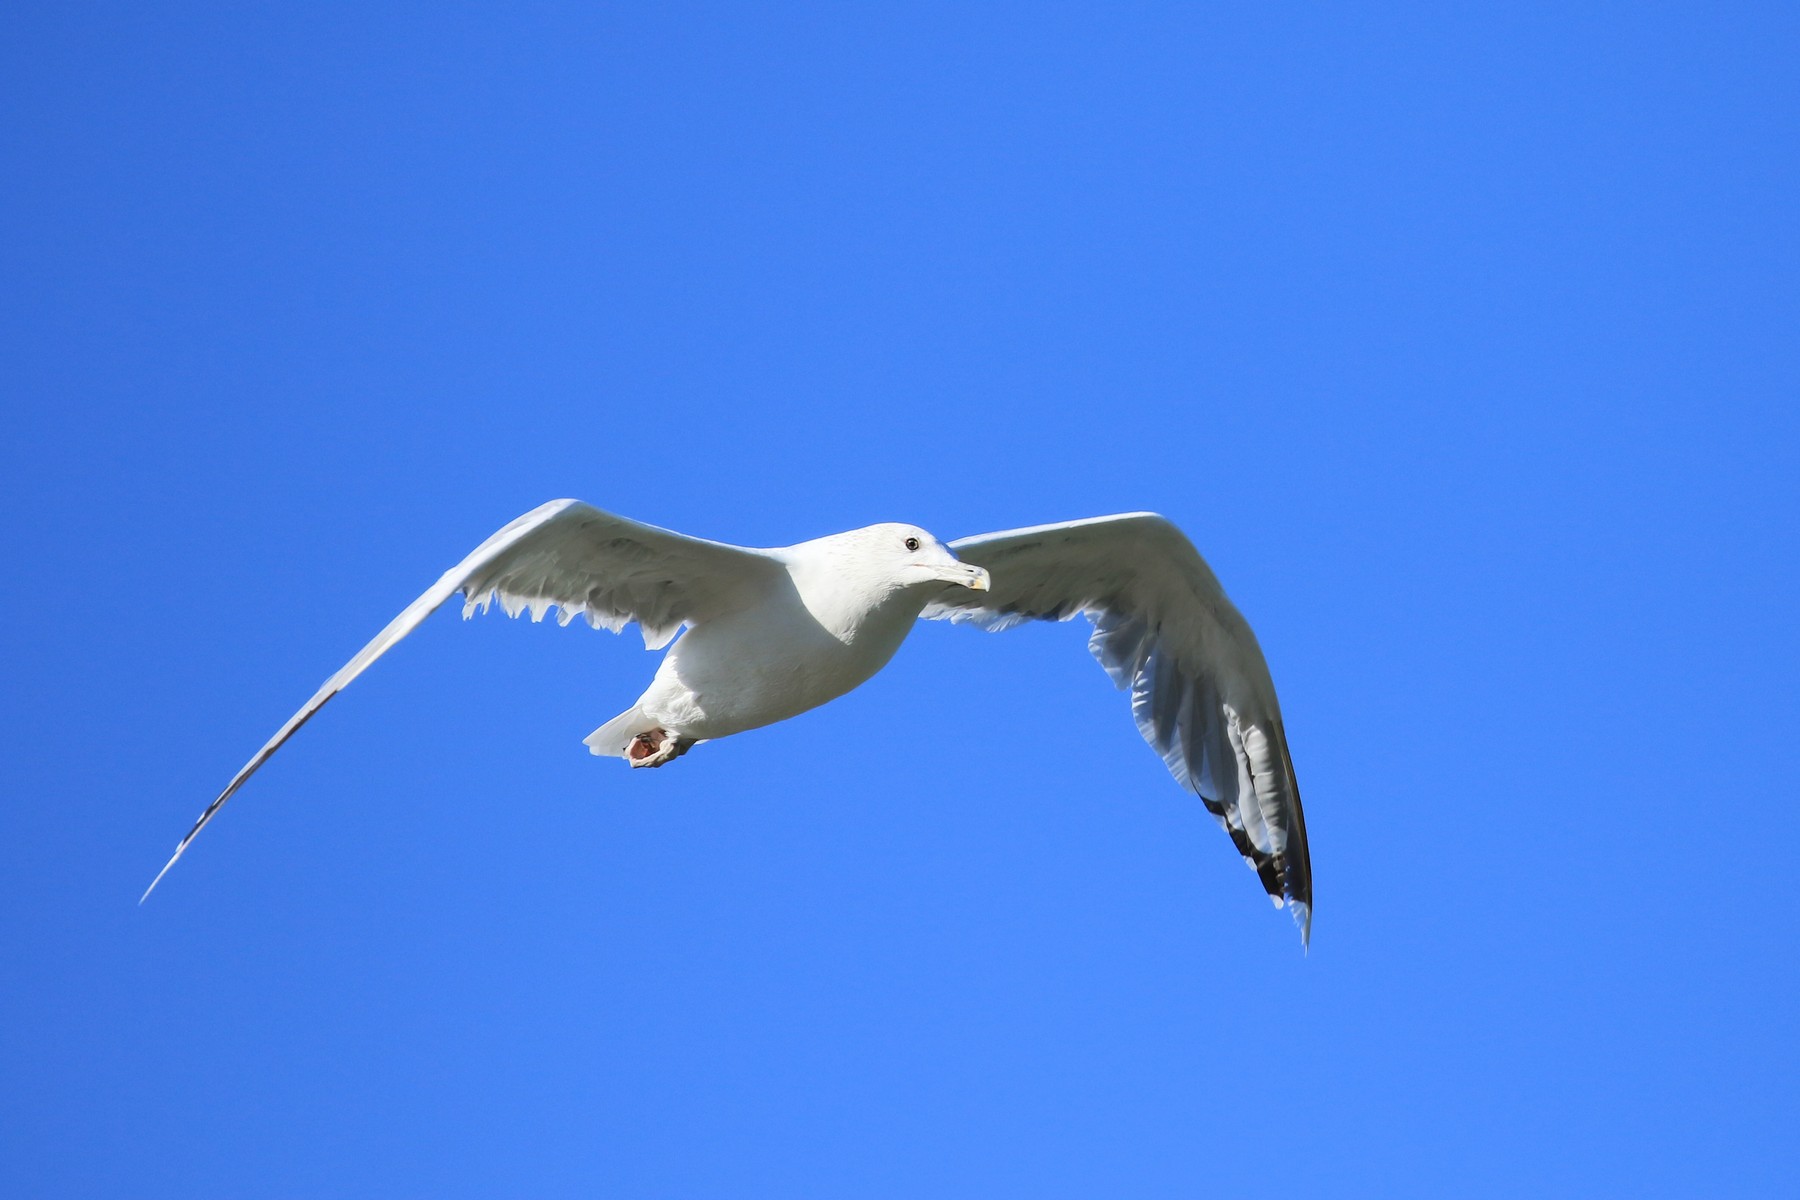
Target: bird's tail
point(612, 738)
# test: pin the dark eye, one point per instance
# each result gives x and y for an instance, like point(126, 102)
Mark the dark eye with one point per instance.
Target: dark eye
point(912, 543)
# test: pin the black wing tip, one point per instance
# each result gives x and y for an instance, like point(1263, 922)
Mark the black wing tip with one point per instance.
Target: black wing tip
point(1286, 877)
point(181, 846)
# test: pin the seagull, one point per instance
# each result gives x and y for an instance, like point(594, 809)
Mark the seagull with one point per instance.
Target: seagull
point(772, 633)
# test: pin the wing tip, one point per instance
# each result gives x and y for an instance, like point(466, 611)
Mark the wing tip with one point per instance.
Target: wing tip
point(1302, 911)
point(159, 875)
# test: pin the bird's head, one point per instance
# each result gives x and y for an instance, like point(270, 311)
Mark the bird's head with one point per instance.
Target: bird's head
point(903, 556)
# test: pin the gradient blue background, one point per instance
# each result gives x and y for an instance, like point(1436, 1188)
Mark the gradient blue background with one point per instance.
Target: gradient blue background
point(1462, 342)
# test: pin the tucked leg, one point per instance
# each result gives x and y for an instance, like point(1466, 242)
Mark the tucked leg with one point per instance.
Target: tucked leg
point(656, 747)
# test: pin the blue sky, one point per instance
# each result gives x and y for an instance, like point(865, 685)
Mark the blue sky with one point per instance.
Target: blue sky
point(1462, 342)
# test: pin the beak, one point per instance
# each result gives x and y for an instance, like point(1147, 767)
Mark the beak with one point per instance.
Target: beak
point(974, 578)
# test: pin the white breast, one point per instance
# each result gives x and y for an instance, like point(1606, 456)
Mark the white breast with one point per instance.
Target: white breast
point(774, 661)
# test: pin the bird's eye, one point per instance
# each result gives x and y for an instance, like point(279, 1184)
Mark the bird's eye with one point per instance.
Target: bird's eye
point(912, 543)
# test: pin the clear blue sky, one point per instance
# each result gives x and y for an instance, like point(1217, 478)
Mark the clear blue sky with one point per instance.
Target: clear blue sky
point(1462, 340)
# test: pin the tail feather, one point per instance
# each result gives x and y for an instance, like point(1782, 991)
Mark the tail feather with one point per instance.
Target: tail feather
point(612, 738)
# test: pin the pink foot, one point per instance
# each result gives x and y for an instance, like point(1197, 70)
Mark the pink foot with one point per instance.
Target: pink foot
point(656, 747)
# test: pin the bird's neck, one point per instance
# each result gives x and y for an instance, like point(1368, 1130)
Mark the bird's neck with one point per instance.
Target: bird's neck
point(855, 609)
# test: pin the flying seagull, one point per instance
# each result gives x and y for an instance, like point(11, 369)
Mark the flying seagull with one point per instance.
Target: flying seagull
point(772, 633)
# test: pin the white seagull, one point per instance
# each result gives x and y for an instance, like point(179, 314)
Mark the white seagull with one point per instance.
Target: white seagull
point(772, 633)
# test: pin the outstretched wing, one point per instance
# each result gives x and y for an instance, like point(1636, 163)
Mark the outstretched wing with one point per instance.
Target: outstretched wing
point(1200, 690)
point(569, 556)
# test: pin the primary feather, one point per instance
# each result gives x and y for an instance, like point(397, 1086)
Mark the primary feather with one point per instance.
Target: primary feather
point(1162, 627)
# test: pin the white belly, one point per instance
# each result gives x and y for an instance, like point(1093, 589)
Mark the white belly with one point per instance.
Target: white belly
point(766, 665)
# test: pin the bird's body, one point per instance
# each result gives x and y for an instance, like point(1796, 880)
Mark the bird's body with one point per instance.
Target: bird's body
point(772, 633)
point(823, 625)
point(754, 668)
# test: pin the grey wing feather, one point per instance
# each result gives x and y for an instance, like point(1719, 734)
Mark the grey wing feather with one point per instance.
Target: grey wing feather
point(565, 555)
point(1163, 628)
